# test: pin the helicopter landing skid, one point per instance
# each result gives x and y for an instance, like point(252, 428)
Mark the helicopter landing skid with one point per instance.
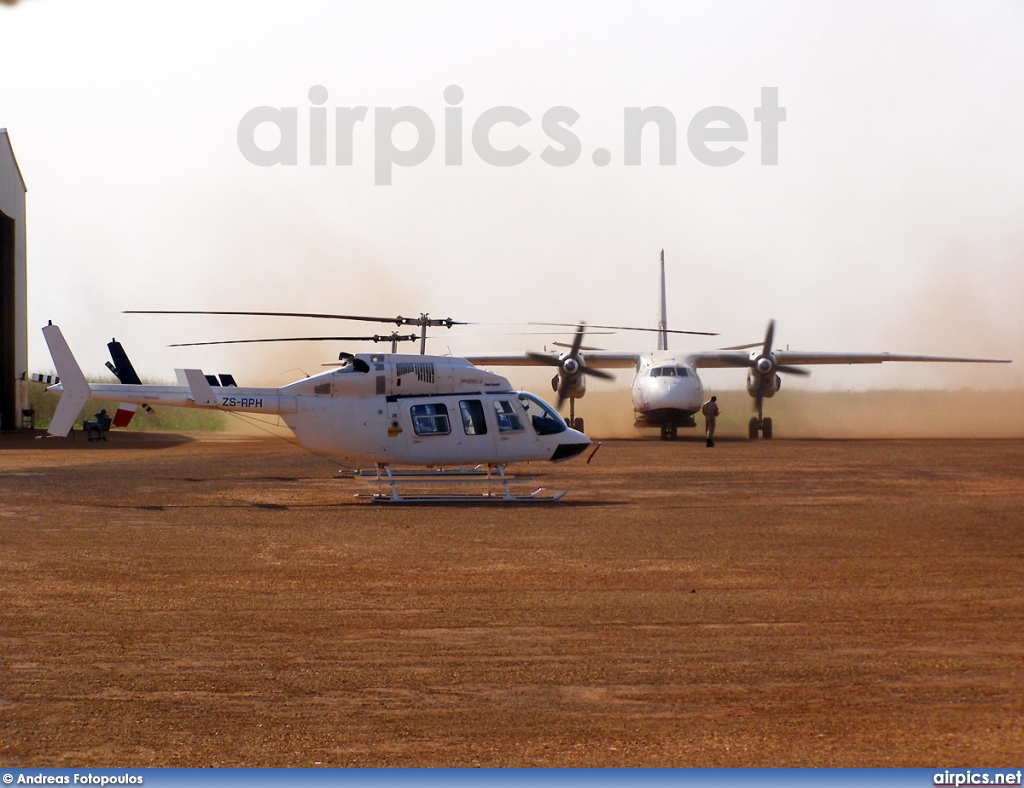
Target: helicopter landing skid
point(496, 477)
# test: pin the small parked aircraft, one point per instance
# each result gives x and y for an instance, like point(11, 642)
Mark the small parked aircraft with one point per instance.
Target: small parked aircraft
point(667, 391)
point(378, 407)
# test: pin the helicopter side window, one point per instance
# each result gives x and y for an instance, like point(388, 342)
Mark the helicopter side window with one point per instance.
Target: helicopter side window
point(473, 422)
point(543, 417)
point(430, 419)
point(508, 419)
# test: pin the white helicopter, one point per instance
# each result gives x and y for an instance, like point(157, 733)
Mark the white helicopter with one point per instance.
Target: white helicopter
point(382, 408)
point(667, 391)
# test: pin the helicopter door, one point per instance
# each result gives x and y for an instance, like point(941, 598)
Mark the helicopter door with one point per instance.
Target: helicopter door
point(431, 429)
point(512, 429)
point(476, 434)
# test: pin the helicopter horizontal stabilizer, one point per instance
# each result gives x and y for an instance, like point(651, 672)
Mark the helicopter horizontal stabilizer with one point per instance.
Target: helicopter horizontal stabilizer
point(202, 393)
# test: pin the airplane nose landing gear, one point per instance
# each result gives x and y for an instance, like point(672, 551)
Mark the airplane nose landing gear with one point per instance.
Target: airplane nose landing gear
point(759, 424)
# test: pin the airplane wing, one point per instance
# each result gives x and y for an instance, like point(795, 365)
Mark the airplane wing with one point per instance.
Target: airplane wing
point(607, 359)
point(505, 360)
point(611, 359)
point(796, 357)
point(732, 358)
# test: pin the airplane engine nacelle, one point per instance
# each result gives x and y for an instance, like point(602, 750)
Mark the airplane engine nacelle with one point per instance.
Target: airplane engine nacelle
point(766, 387)
point(576, 386)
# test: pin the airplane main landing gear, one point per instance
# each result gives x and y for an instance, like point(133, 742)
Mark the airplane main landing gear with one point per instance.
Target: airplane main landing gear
point(760, 425)
point(572, 422)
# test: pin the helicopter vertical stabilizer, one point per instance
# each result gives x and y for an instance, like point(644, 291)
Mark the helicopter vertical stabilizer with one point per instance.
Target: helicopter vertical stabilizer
point(76, 389)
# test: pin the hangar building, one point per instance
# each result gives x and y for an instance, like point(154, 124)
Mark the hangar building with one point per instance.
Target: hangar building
point(13, 290)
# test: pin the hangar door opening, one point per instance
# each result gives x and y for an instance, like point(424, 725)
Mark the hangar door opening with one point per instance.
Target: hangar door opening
point(8, 382)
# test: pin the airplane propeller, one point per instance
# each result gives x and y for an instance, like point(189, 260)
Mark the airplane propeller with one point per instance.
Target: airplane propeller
point(765, 366)
point(569, 365)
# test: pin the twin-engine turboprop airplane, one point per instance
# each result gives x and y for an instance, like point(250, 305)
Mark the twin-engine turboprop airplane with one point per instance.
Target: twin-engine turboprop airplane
point(667, 391)
point(378, 407)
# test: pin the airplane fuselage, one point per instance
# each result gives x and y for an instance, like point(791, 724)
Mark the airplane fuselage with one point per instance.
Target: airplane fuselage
point(666, 390)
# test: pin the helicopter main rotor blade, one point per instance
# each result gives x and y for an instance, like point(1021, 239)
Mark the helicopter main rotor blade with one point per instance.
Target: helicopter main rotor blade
point(582, 347)
point(629, 328)
point(374, 338)
point(399, 320)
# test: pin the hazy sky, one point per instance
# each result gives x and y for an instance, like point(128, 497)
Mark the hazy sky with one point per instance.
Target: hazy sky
point(893, 220)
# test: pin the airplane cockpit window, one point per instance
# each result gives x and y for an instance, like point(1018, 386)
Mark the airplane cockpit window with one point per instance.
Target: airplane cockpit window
point(430, 419)
point(473, 422)
point(669, 372)
point(508, 419)
point(544, 418)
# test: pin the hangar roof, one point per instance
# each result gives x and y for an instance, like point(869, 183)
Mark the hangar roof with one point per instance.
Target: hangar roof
point(7, 139)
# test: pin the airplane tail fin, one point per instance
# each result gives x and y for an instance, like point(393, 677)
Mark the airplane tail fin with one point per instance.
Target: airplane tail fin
point(76, 387)
point(663, 316)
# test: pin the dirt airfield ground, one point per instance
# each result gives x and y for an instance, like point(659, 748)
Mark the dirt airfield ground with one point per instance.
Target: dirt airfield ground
point(215, 599)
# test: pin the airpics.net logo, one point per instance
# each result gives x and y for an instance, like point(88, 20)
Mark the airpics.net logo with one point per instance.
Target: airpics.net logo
point(712, 134)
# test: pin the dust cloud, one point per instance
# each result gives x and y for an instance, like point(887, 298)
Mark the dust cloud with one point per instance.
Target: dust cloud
point(963, 413)
point(293, 264)
point(968, 304)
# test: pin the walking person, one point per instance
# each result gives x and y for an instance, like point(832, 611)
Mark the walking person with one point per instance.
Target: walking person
point(710, 410)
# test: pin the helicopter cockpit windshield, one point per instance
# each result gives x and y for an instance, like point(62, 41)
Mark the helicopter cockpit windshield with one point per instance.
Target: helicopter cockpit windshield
point(543, 417)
